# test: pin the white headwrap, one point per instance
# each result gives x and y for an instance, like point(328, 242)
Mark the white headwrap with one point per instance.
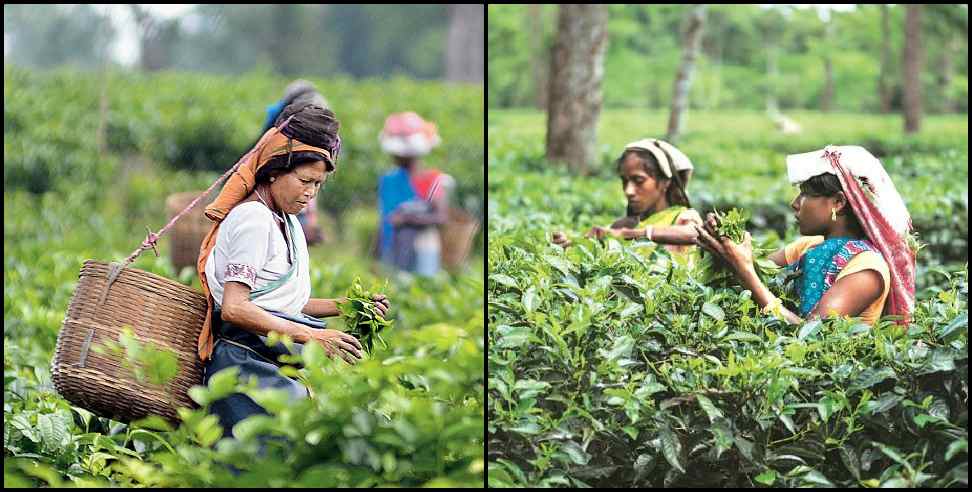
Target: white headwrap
point(408, 135)
point(861, 164)
point(665, 153)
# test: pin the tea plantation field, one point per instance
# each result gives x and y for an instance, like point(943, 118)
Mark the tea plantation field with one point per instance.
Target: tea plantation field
point(412, 414)
point(609, 368)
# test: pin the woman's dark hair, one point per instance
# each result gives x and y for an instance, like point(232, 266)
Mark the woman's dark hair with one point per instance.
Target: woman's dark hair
point(828, 185)
point(676, 194)
point(312, 125)
point(821, 185)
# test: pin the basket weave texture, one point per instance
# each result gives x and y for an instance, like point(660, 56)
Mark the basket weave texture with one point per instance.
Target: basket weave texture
point(457, 237)
point(164, 313)
point(188, 233)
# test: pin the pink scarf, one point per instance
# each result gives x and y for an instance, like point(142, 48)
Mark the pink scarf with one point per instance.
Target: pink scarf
point(892, 245)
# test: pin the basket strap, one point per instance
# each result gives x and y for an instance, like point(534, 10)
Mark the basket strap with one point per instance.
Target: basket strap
point(116, 268)
point(85, 346)
point(152, 237)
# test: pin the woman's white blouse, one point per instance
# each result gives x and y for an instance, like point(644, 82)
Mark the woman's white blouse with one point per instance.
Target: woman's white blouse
point(250, 248)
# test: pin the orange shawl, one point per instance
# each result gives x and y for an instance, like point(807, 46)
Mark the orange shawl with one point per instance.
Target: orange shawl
point(239, 185)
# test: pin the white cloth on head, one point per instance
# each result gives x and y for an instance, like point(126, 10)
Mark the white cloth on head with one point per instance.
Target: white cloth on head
point(661, 150)
point(861, 164)
point(414, 145)
point(251, 249)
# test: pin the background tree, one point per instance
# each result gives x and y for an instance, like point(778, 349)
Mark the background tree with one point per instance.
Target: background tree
point(539, 53)
point(734, 62)
point(156, 38)
point(884, 84)
point(690, 50)
point(464, 44)
point(912, 69)
point(827, 49)
point(51, 35)
point(576, 70)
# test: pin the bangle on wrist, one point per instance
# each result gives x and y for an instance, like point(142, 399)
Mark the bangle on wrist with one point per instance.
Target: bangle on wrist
point(649, 232)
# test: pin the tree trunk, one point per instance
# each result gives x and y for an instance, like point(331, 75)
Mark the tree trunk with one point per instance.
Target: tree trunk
point(576, 70)
point(683, 81)
point(100, 137)
point(827, 98)
point(828, 93)
point(772, 75)
point(912, 67)
point(285, 19)
point(538, 55)
point(465, 48)
point(945, 78)
point(148, 30)
point(884, 85)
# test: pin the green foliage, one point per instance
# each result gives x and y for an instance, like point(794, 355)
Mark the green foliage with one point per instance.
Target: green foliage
point(611, 368)
point(204, 123)
point(707, 389)
point(293, 40)
point(362, 317)
point(147, 362)
point(744, 168)
point(732, 224)
point(410, 415)
point(732, 68)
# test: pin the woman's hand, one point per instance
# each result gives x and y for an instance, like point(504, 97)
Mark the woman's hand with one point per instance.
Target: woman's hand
point(337, 343)
point(560, 239)
point(380, 300)
point(602, 232)
point(382, 303)
point(738, 256)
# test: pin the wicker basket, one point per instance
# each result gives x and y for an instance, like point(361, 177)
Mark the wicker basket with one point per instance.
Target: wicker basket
point(188, 233)
point(457, 237)
point(165, 313)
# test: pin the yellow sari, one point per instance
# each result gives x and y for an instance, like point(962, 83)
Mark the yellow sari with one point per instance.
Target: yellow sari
point(687, 254)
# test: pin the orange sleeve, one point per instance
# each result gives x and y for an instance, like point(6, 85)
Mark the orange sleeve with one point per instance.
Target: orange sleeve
point(870, 260)
point(796, 249)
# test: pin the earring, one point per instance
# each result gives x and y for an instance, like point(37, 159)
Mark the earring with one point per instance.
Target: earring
point(833, 215)
point(273, 179)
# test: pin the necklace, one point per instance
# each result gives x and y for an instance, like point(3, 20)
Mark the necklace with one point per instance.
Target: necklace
point(290, 254)
point(275, 215)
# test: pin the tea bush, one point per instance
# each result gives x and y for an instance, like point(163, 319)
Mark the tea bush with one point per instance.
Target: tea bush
point(195, 122)
point(609, 368)
point(412, 414)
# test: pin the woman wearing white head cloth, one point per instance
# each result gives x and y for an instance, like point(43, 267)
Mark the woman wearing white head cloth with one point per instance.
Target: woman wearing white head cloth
point(855, 258)
point(412, 199)
point(654, 176)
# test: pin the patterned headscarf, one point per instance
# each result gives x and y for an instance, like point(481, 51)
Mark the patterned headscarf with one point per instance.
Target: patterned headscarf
point(877, 205)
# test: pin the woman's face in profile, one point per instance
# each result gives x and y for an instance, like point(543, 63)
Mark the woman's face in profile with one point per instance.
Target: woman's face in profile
point(640, 188)
point(294, 190)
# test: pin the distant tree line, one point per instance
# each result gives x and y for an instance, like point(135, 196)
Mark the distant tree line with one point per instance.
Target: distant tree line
point(420, 41)
point(749, 56)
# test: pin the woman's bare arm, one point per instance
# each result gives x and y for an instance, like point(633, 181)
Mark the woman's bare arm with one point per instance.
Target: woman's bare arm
point(778, 257)
point(323, 308)
point(850, 295)
point(238, 309)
